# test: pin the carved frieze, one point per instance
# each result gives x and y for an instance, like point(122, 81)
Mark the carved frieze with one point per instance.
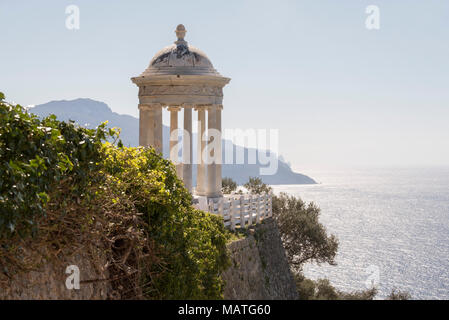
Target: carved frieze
point(181, 90)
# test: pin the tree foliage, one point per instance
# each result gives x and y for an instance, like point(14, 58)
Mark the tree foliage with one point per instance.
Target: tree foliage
point(255, 185)
point(322, 289)
point(304, 238)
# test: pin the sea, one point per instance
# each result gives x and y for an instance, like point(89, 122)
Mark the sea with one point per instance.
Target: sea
point(392, 225)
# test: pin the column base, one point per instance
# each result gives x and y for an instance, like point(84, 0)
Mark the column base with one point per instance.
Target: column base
point(200, 193)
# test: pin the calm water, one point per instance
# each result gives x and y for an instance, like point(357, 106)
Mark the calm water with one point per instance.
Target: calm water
point(392, 224)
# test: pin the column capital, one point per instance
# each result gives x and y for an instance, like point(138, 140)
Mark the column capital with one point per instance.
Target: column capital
point(215, 106)
point(188, 105)
point(200, 107)
point(173, 108)
point(149, 106)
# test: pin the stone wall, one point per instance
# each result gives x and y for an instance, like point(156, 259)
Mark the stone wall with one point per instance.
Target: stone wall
point(48, 280)
point(259, 267)
point(259, 270)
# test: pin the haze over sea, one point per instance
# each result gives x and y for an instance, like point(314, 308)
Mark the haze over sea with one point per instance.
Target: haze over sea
point(393, 219)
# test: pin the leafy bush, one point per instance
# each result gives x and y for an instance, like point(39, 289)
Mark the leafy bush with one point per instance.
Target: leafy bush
point(397, 294)
point(191, 243)
point(48, 166)
point(322, 289)
point(34, 155)
point(228, 185)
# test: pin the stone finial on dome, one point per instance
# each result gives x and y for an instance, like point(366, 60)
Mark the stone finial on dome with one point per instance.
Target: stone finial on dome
point(180, 33)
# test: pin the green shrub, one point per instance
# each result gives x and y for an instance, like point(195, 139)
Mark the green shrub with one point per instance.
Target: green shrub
point(322, 289)
point(228, 185)
point(40, 157)
point(34, 155)
point(192, 243)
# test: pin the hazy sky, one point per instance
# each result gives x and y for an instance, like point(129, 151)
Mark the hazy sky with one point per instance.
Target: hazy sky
point(340, 94)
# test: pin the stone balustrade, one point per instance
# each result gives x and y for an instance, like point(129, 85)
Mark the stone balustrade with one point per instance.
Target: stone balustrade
point(239, 210)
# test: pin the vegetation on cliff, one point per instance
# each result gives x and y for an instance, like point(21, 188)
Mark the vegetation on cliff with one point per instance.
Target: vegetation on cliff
point(63, 186)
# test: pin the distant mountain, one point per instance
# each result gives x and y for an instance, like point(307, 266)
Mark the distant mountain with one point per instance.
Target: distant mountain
point(90, 113)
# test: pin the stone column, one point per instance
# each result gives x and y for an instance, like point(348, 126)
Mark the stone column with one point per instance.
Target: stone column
point(174, 151)
point(211, 166)
point(146, 126)
point(158, 143)
point(218, 156)
point(201, 146)
point(187, 148)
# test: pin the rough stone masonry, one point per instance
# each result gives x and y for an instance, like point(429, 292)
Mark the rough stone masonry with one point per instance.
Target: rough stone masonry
point(259, 267)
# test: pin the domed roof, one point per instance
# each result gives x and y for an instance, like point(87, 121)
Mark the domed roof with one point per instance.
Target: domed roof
point(180, 59)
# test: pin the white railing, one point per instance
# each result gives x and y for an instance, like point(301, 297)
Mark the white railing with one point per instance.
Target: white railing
point(242, 210)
